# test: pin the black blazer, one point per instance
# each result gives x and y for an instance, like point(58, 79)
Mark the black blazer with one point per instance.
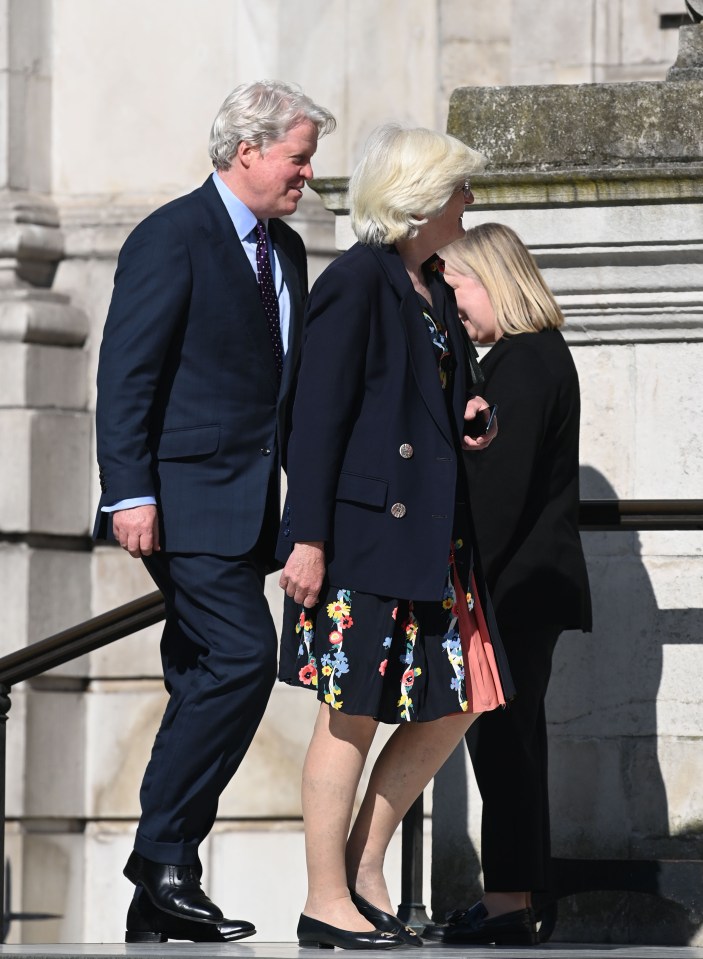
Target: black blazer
point(372, 459)
point(525, 486)
point(188, 407)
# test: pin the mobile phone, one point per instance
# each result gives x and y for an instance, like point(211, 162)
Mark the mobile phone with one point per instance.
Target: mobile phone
point(482, 422)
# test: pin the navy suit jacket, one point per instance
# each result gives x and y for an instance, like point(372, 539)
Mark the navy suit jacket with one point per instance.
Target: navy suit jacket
point(369, 386)
point(189, 408)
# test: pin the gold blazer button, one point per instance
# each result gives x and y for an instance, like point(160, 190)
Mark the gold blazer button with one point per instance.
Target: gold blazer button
point(406, 451)
point(398, 510)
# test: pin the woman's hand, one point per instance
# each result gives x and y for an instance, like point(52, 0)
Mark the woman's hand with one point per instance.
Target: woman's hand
point(304, 572)
point(474, 405)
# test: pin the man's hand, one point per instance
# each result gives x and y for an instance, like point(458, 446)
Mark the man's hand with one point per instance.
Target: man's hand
point(481, 442)
point(137, 530)
point(304, 572)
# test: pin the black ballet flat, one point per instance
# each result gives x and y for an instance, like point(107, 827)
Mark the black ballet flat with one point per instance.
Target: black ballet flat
point(316, 934)
point(146, 923)
point(385, 921)
point(472, 927)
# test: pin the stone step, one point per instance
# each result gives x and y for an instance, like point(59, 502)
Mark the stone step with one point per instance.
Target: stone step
point(290, 950)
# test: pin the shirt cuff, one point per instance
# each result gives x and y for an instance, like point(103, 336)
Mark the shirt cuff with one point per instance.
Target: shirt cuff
point(130, 504)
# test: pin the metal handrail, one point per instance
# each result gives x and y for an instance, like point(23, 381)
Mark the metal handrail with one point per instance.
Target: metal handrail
point(640, 514)
point(37, 658)
point(54, 651)
point(84, 638)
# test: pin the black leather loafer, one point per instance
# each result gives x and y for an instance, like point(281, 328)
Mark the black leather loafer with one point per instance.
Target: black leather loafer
point(472, 926)
point(312, 932)
point(385, 921)
point(146, 923)
point(173, 889)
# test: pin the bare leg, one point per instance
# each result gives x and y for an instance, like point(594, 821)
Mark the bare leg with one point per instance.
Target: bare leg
point(406, 764)
point(331, 774)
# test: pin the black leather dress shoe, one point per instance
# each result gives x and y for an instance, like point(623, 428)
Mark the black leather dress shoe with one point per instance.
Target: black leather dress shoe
point(173, 889)
point(472, 926)
point(146, 923)
point(385, 921)
point(312, 932)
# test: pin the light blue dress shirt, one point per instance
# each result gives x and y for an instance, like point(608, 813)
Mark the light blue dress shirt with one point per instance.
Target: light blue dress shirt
point(244, 223)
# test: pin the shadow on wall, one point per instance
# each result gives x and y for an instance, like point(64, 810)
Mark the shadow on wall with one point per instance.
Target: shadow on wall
point(609, 757)
point(607, 792)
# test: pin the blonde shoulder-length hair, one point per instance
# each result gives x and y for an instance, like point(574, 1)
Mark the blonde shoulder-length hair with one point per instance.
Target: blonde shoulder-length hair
point(405, 178)
point(496, 256)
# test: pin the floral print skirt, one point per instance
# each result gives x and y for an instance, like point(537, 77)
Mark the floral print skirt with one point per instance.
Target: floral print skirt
point(396, 660)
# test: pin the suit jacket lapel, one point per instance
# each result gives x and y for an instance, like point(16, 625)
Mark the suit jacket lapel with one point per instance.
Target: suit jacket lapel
point(239, 277)
point(291, 278)
point(422, 359)
point(442, 300)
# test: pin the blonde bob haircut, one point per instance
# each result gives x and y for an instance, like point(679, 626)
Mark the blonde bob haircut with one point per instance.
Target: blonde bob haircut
point(405, 178)
point(496, 256)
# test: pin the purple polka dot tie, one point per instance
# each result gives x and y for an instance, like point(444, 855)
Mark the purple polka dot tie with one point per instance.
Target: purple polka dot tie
point(267, 291)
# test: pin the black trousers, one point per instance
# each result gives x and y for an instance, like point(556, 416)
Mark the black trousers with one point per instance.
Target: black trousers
point(508, 749)
point(218, 653)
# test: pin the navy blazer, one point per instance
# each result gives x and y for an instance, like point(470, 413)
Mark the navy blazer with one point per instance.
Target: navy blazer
point(525, 486)
point(372, 459)
point(189, 408)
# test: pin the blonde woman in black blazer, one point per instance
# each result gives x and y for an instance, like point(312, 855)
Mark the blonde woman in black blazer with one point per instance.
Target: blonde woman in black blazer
point(382, 607)
point(525, 501)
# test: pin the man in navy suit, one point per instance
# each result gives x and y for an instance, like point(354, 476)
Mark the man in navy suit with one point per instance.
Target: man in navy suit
point(197, 363)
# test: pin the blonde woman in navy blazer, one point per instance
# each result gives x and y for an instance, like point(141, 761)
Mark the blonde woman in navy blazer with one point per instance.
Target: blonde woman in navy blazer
point(375, 509)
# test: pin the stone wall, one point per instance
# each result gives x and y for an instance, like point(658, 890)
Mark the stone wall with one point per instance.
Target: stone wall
point(104, 114)
point(605, 184)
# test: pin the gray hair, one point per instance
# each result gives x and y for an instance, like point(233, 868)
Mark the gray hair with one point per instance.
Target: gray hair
point(405, 178)
point(261, 113)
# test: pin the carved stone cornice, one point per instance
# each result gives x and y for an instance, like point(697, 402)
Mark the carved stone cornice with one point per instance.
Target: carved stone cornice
point(613, 320)
point(30, 240)
point(31, 247)
point(663, 183)
point(618, 279)
point(96, 227)
point(40, 316)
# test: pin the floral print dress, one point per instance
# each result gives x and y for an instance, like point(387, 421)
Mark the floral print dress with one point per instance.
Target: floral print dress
point(397, 660)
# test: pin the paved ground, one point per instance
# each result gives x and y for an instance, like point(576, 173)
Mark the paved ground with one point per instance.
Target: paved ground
point(285, 950)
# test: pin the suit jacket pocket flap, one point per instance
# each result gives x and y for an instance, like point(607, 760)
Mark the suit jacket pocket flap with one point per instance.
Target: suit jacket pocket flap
point(194, 441)
point(369, 490)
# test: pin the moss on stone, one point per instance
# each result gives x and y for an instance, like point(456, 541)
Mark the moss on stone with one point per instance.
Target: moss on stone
point(578, 127)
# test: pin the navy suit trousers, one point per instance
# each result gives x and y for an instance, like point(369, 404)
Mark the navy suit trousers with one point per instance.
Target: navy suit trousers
point(218, 652)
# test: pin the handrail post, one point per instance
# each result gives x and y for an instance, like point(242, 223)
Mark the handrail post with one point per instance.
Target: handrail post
point(412, 909)
point(4, 710)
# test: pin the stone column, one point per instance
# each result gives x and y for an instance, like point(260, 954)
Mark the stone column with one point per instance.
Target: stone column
point(44, 427)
